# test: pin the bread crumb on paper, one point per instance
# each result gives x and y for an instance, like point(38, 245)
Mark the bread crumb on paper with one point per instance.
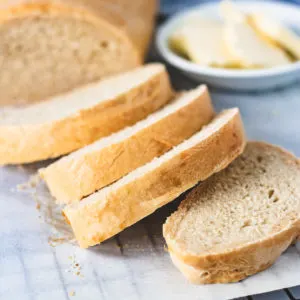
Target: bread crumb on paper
point(72, 293)
point(75, 267)
point(31, 183)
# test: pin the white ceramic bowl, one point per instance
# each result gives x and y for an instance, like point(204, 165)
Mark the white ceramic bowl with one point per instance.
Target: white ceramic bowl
point(233, 79)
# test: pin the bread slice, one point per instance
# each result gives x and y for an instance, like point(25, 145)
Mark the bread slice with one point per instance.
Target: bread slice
point(138, 194)
point(70, 121)
point(277, 33)
point(103, 162)
point(204, 34)
point(240, 220)
point(243, 43)
point(50, 47)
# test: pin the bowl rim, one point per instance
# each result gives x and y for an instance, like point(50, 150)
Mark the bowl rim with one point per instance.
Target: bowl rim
point(174, 59)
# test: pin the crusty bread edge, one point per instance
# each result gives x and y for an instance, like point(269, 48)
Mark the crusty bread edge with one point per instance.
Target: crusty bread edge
point(238, 264)
point(42, 141)
point(67, 177)
point(229, 142)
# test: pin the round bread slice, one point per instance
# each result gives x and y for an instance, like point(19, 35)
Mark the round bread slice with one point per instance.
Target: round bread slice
point(90, 168)
point(240, 220)
point(147, 188)
point(48, 48)
point(70, 121)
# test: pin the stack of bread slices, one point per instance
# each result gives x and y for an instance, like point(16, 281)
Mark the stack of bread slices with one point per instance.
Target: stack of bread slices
point(132, 145)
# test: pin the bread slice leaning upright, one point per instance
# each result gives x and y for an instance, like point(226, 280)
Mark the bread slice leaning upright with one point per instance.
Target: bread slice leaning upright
point(138, 194)
point(240, 220)
point(83, 172)
point(70, 121)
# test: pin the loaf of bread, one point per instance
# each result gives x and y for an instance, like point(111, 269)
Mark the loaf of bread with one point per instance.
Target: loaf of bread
point(68, 122)
point(52, 46)
point(147, 188)
point(240, 220)
point(83, 172)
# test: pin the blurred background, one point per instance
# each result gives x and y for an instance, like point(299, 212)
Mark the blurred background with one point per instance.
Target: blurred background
point(172, 6)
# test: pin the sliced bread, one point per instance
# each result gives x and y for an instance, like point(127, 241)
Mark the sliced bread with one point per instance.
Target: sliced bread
point(83, 172)
point(70, 121)
point(50, 47)
point(138, 194)
point(240, 220)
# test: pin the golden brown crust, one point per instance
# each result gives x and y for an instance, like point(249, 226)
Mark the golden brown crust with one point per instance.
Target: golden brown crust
point(238, 264)
point(28, 143)
point(73, 177)
point(97, 220)
point(231, 265)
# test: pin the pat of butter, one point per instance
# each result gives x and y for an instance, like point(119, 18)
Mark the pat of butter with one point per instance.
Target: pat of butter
point(245, 45)
point(201, 41)
point(277, 33)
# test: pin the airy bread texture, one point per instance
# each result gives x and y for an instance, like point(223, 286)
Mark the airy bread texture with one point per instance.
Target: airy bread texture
point(70, 121)
point(240, 220)
point(136, 19)
point(138, 194)
point(105, 161)
point(51, 47)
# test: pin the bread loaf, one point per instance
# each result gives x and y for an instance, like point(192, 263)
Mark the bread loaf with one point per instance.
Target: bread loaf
point(49, 47)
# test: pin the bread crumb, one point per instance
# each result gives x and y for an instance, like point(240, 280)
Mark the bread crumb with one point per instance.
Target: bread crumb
point(31, 183)
point(75, 267)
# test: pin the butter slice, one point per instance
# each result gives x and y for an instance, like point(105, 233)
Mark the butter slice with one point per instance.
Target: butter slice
point(245, 45)
point(202, 42)
point(277, 33)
